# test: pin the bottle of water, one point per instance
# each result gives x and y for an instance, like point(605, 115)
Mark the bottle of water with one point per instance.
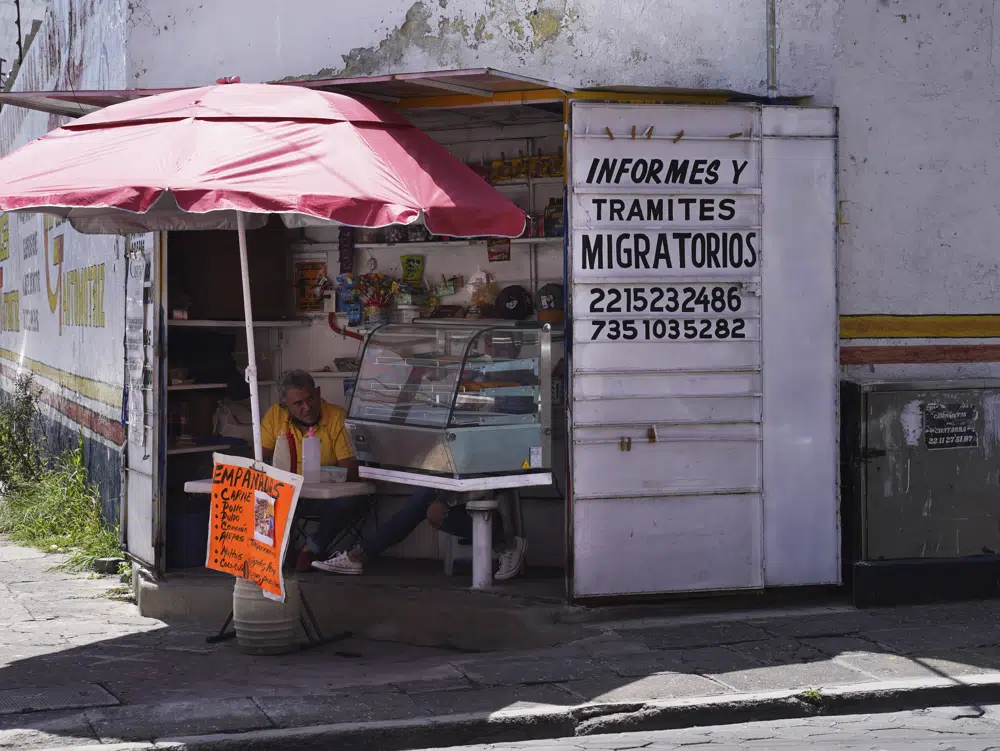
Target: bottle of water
point(282, 456)
point(311, 450)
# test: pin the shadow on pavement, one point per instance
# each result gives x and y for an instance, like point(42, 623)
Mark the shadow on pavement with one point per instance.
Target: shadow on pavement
point(89, 668)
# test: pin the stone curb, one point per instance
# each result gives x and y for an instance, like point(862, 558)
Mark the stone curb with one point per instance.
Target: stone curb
point(590, 719)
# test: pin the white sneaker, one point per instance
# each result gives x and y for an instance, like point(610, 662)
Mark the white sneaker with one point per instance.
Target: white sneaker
point(340, 564)
point(511, 560)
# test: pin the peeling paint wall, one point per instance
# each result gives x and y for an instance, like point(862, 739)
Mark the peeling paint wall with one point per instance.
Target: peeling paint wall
point(684, 43)
point(915, 81)
point(31, 11)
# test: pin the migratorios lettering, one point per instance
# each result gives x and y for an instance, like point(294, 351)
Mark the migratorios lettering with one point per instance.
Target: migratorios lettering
point(612, 171)
point(83, 297)
point(668, 250)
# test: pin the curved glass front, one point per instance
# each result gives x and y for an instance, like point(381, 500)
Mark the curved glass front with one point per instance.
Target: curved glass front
point(409, 373)
point(455, 375)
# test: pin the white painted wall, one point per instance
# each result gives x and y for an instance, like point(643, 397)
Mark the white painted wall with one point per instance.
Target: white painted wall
point(31, 11)
point(685, 43)
point(75, 352)
point(915, 83)
point(917, 86)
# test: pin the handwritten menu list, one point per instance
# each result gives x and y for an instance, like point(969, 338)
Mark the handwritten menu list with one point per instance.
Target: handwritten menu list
point(253, 505)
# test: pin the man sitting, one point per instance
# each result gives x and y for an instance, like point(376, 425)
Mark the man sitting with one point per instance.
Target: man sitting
point(443, 511)
point(299, 409)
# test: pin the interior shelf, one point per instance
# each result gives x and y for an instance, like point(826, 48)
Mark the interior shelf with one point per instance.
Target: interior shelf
point(332, 373)
point(530, 181)
point(210, 386)
point(455, 243)
point(238, 324)
point(200, 448)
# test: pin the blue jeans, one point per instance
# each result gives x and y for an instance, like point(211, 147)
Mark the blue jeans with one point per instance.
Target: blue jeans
point(334, 515)
point(400, 525)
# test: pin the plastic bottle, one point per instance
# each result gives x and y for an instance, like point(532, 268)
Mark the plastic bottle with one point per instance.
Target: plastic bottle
point(311, 450)
point(282, 456)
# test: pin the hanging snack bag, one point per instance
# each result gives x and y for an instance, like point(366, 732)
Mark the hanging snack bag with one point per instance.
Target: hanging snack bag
point(413, 268)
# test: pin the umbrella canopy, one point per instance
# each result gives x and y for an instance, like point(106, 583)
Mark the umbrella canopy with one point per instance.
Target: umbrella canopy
point(195, 158)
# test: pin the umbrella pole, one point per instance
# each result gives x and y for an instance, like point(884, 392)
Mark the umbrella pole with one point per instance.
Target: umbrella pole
point(251, 373)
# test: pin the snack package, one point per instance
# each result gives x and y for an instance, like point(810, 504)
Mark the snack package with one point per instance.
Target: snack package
point(482, 288)
point(413, 268)
point(498, 250)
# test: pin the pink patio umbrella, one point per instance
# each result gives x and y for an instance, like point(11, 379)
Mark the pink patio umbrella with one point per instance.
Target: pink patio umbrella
point(228, 156)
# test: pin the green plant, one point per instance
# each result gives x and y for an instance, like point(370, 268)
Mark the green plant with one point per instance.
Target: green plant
point(20, 453)
point(60, 511)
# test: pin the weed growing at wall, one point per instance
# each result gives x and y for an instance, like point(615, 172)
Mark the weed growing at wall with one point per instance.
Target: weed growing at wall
point(20, 455)
point(51, 505)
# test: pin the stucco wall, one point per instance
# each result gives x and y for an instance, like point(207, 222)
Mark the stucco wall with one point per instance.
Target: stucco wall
point(703, 44)
point(917, 86)
point(31, 11)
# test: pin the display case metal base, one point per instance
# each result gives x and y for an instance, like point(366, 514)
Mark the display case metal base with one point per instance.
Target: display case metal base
point(527, 480)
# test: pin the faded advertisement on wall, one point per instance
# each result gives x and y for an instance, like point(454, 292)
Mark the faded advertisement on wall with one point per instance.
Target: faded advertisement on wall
point(62, 294)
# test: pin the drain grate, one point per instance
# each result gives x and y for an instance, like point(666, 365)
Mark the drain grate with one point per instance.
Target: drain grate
point(81, 696)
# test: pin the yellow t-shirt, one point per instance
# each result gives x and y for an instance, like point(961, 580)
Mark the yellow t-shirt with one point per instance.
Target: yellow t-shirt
point(334, 442)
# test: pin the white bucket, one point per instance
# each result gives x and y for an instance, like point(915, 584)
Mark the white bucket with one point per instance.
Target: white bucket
point(264, 626)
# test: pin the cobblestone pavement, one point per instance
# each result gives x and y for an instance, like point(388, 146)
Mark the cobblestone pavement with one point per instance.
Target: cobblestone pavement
point(939, 729)
point(79, 668)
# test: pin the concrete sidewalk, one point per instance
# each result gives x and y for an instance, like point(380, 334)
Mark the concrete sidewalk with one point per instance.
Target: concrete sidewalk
point(77, 668)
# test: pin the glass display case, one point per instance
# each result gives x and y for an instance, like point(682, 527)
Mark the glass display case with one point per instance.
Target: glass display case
point(455, 404)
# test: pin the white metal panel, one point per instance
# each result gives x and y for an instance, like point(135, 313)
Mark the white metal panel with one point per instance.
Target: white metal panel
point(666, 392)
point(591, 386)
point(665, 357)
point(799, 122)
point(142, 492)
point(688, 544)
point(663, 468)
point(801, 522)
point(660, 410)
point(746, 431)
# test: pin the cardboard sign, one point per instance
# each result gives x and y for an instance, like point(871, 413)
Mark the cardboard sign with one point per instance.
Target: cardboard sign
point(307, 273)
point(253, 506)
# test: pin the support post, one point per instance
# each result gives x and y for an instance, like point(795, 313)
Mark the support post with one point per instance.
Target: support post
point(482, 542)
point(251, 373)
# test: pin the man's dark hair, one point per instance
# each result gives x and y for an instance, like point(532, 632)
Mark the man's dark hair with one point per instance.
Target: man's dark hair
point(295, 379)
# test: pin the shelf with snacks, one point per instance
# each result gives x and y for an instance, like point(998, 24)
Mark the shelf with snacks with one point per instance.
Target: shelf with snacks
point(210, 386)
point(526, 182)
point(459, 243)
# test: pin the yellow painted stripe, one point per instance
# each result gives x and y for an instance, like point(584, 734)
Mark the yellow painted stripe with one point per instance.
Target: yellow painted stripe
point(919, 327)
point(540, 96)
point(646, 98)
point(532, 96)
point(88, 387)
